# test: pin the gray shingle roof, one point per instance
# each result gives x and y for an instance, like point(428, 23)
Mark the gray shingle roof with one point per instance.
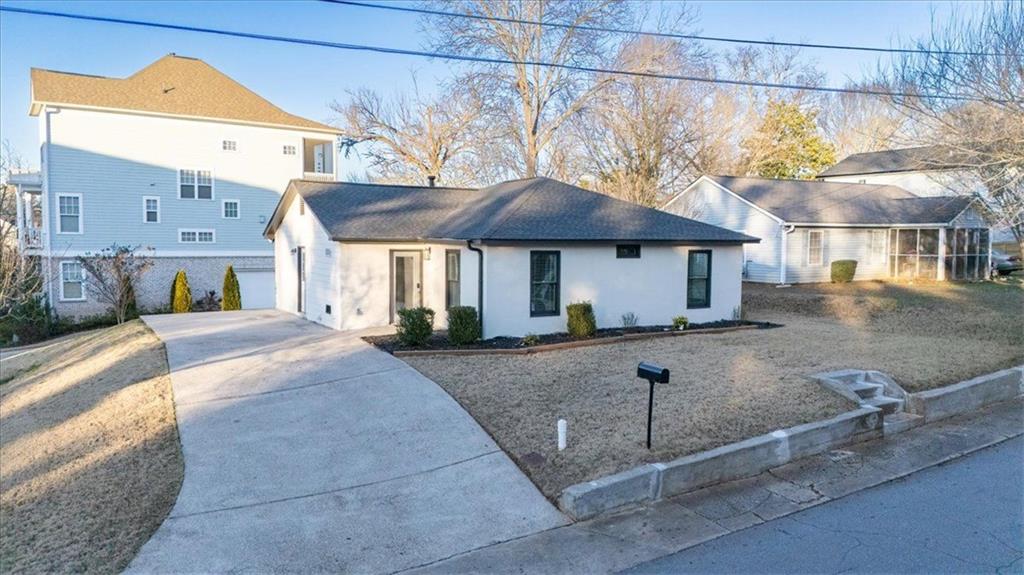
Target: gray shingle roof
point(918, 159)
point(818, 202)
point(535, 209)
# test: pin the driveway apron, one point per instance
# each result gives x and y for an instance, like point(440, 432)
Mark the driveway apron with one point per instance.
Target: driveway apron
point(307, 449)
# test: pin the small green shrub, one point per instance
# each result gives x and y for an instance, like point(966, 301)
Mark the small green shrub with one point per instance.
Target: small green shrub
point(843, 270)
point(463, 326)
point(530, 340)
point(680, 322)
point(181, 294)
point(581, 322)
point(63, 326)
point(232, 293)
point(29, 320)
point(415, 325)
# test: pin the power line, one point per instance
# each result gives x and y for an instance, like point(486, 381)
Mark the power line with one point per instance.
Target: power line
point(478, 59)
point(428, 11)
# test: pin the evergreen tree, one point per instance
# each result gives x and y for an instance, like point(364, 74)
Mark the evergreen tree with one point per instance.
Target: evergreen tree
point(232, 294)
point(787, 144)
point(181, 294)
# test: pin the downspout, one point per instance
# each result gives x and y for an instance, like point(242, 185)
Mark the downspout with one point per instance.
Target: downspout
point(786, 230)
point(479, 285)
point(47, 214)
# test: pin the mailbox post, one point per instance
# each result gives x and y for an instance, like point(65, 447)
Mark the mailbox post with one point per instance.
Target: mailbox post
point(653, 374)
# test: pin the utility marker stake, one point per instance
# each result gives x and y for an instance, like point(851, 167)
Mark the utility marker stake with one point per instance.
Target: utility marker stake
point(563, 431)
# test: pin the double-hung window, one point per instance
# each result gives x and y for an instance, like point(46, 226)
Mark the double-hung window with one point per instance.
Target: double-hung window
point(69, 214)
point(72, 281)
point(229, 145)
point(698, 279)
point(230, 210)
point(289, 150)
point(150, 210)
point(453, 278)
point(815, 247)
point(545, 272)
point(195, 184)
point(188, 236)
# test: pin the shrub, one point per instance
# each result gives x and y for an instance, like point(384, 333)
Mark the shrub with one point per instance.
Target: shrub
point(415, 325)
point(463, 326)
point(232, 293)
point(209, 302)
point(680, 322)
point(530, 340)
point(181, 294)
point(581, 322)
point(843, 270)
point(629, 319)
point(29, 321)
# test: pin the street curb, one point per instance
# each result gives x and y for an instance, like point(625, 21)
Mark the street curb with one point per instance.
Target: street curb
point(966, 396)
point(733, 461)
point(570, 344)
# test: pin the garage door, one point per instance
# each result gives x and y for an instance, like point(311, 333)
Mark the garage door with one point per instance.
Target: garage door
point(257, 287)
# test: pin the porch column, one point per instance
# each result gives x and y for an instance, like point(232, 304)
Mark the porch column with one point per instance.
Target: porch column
point(942, 255)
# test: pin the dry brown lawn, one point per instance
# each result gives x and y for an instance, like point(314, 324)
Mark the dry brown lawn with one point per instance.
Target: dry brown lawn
point(729, 387)
point(90, 462)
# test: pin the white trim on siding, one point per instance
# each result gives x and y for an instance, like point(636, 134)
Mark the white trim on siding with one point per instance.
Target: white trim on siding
point(223, 208)
point(197, 231)
point(821, 251)
point(726, 190)
point(213, 183)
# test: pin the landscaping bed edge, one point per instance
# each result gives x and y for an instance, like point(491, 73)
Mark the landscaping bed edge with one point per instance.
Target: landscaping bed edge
point(570, 344)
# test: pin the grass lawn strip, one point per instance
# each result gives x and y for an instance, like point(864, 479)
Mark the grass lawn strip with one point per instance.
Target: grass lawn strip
point(732, 386)
point(90, 452)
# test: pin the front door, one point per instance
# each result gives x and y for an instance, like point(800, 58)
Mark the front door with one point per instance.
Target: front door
point(300, 266)
point(406, 282)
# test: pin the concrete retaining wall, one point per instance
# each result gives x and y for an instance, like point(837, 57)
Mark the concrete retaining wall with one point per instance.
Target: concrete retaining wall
point(967, 395)
point(734, 461)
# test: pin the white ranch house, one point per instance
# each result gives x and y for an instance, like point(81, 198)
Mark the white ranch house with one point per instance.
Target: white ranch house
point(804, 225)
point(350, 255)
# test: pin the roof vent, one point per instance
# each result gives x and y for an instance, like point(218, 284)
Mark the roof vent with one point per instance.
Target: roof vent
point(430, 181)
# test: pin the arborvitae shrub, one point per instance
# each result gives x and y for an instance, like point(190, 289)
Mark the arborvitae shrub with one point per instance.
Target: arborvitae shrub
point(181, 294)
point(232, 294)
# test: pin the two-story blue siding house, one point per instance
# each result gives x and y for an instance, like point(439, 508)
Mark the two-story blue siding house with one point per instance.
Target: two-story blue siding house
point(177, 157)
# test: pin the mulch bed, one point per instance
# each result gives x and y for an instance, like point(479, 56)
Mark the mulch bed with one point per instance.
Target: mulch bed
point(439, 340)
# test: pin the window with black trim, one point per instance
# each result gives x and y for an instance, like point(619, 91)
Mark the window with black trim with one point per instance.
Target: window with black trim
point(545, 272)
point(627, 251)
point(453, 278)
point(698, 279)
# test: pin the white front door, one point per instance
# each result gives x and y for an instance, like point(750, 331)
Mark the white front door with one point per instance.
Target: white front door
point(406, 281)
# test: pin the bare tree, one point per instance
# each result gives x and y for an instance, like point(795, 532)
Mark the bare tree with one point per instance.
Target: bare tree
point(531, 103)
point(858, 123)
point(641, 135)
point(113, 274)
point(411, 139)
point(20, 277)
point(983, 136)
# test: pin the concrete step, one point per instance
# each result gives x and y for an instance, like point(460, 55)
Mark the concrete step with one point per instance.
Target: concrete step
point(865, 390)
point(888, 405)
point(900, 422)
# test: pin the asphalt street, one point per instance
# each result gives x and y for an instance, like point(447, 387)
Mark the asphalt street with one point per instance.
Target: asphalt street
point(965, 516)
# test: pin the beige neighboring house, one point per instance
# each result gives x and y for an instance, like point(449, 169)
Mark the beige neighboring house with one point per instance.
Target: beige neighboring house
point(177, 157)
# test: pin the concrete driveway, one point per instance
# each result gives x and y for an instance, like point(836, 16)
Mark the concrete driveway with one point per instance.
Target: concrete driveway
point(308, 450)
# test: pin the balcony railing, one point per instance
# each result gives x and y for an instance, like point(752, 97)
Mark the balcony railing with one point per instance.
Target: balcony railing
point(318, 176)
point(33, 238)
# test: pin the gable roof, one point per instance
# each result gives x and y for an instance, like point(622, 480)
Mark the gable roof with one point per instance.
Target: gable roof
point(820, 202)
point(534, 209)
point(173, 85)
point(919, 159)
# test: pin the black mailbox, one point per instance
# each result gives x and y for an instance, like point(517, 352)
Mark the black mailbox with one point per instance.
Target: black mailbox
point(652, 373)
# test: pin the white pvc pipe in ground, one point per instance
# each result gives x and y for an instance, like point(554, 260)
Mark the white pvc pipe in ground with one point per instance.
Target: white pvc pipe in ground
point(563, 430)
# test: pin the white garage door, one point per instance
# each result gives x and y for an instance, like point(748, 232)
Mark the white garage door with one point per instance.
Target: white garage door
point(257, 287)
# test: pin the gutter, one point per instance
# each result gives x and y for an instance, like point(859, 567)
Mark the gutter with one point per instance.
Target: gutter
point(479, 284)
point(786, 230)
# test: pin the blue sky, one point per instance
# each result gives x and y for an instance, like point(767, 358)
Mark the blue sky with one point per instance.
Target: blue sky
point(304, 80)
